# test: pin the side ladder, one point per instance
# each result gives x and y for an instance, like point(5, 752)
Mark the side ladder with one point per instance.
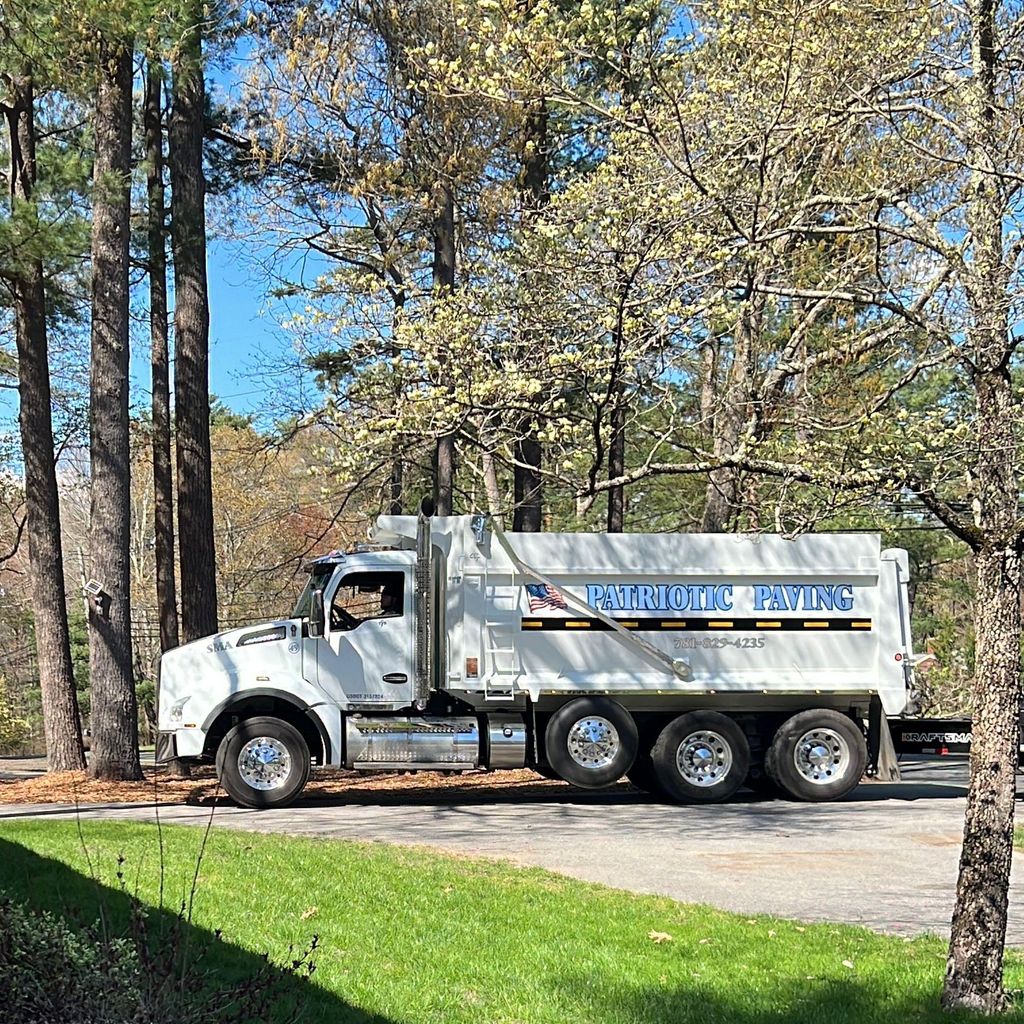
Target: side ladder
point(500, 670)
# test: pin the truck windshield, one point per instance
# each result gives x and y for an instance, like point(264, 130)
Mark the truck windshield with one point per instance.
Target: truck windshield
point(317, 581)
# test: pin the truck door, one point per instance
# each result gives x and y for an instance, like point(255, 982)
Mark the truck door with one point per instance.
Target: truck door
point(366, 654)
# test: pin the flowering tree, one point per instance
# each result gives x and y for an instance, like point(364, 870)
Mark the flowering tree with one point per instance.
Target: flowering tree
point(851, 190)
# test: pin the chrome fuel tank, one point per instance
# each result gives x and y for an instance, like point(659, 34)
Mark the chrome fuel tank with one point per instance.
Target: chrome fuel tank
point(450, 743)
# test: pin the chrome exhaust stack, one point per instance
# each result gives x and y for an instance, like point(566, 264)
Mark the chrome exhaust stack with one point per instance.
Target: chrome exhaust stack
point(423, 586)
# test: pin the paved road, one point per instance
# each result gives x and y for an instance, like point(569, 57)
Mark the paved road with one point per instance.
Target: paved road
point(885, 857)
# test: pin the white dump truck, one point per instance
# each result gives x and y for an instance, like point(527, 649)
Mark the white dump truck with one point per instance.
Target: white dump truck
point(691, 664)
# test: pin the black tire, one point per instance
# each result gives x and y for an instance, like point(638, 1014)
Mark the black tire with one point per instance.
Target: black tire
point(685, 778)
point(829, 747)
point(546, 771)
point(613, 731)
point(286, 739)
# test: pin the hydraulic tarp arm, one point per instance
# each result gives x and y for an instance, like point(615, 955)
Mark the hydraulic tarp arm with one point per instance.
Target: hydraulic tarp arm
point(676, 667)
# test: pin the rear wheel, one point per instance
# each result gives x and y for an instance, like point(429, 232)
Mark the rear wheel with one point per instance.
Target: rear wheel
point(817, 755)
point(591, 742)
point(263, 762)
point(701, 757)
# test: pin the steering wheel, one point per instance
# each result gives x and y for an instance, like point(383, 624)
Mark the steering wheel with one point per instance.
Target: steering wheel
point(342, 619)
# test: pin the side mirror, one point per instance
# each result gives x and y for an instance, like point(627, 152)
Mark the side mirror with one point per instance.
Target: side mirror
point(317, 618)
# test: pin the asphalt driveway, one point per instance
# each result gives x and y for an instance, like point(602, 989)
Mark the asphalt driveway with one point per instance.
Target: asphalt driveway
point(885, 857)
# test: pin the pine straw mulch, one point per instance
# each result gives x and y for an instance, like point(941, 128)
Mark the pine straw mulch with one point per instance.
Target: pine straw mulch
point(330, 786)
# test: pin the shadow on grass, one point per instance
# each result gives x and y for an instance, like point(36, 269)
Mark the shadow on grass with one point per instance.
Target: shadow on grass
point(835, 1000)
point(44, 884)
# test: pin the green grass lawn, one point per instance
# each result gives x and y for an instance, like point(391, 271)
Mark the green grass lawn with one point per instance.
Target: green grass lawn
point(413, 936)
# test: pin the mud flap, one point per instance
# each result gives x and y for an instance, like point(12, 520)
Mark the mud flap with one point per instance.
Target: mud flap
point(166, 747)
point(882, 763)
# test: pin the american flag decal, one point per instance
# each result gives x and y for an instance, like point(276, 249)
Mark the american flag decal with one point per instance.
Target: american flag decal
point(542, 596)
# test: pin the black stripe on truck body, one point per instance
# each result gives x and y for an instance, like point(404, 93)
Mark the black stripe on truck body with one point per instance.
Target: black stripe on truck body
point(702, 625)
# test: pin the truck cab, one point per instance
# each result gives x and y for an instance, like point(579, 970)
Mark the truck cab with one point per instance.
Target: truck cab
point(358, 616)
point(348, 647)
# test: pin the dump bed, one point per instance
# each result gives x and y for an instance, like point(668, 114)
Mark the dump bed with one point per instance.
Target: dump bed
point(736, 614)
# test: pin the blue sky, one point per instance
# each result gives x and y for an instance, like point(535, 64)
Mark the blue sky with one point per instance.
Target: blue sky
point(253, 365)
point(246, 338)
point(247, 341)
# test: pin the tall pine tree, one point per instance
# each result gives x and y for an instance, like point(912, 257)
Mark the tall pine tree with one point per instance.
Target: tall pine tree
point(115, 751)
point(23, 277)
point(192, 332)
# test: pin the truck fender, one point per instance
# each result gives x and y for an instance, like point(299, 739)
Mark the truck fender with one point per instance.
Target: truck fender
point(268, 691)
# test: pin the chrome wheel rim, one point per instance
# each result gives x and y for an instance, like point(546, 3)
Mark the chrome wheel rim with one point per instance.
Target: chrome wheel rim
point(822, 756)
point(593, 742)
point(704, 758)
point(264, 763)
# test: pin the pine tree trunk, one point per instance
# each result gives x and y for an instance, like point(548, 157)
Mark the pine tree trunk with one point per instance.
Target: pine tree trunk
point(115, 743)
point(395, 488)
point(61, 722)
point(444, 475)
point(163, 483)
point(443, 276)
point(527, 483)
point(192, 337)
point(163, 494)
point(534, 171)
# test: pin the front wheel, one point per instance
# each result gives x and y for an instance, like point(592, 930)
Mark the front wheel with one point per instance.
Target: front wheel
point(263, 762)
point(701, 757)
point(591, 742)
point(817, 755)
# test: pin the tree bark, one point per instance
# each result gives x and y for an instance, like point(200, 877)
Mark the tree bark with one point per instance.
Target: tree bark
point(443, 277)
point(444, 475)
point(61, 722)
point(491, 488)
point(192, 336)
point(395, 488)
point(534, 173)
point(527, 483)
point(722, 496)
point(163, 494)
point(115, 750)
point(617, 466)
point(163, 483)
point(974, 970)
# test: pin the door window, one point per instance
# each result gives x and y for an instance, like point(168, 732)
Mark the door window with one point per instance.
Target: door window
point(367, 595)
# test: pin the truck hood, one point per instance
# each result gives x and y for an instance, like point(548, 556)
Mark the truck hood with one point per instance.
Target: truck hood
point(196, 677)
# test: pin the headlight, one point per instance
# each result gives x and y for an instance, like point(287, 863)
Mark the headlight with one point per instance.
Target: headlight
point(178, 707)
